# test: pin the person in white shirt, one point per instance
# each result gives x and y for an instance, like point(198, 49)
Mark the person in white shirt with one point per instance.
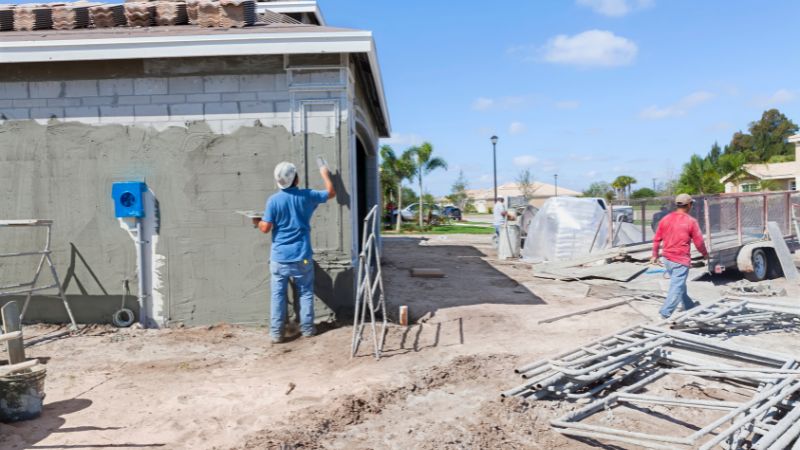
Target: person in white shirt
point(500, 213)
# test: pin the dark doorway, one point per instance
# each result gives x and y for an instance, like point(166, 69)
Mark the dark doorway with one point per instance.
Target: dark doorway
point(361, 189)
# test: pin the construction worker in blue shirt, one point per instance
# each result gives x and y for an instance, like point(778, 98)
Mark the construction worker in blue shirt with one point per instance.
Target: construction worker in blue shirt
point(287, 215)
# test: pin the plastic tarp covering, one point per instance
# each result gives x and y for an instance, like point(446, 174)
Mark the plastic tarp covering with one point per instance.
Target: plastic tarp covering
point(565, 228)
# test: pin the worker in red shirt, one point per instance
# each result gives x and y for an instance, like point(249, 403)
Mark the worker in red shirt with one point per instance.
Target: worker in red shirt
point(676, 231)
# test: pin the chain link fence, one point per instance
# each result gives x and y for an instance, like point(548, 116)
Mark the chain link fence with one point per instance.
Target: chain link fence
point(726, 220)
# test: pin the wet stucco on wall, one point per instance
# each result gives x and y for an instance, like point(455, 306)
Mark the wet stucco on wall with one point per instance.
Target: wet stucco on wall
point(214, 263)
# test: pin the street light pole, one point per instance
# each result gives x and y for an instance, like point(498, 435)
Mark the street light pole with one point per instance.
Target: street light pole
point(494, 158)
point(556, 178)
point(654, 184)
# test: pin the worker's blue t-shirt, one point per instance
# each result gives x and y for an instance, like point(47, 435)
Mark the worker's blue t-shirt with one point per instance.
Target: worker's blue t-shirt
point(289, 211)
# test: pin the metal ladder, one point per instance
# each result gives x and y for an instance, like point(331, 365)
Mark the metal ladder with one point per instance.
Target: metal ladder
point(29, 287)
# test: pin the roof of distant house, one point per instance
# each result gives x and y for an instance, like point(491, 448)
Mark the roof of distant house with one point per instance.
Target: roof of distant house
point(513, 190)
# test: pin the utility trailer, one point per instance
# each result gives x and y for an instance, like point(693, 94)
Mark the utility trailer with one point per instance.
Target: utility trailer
point(735, 226)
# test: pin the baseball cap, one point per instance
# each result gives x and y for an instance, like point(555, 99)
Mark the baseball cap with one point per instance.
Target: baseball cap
point(285, 172)
point(684, 199)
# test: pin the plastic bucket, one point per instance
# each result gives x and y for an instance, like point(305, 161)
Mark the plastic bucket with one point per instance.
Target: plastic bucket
point(22, 395)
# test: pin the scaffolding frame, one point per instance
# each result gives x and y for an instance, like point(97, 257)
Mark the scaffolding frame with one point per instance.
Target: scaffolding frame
point(369, 288)
point(29, 287)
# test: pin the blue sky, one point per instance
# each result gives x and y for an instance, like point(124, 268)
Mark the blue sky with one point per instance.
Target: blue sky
point(587, 89)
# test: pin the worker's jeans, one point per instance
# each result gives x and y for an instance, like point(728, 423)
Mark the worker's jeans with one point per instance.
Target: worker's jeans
point(302, 272)
point(678, 273)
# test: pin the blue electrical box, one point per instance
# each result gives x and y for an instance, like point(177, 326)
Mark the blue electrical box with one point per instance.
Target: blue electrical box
point(129, 198)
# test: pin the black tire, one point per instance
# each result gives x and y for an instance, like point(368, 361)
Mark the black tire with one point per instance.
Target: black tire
point(760, 261)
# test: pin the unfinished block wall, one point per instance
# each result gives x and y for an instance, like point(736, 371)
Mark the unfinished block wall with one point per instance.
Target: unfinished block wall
point(205, 134)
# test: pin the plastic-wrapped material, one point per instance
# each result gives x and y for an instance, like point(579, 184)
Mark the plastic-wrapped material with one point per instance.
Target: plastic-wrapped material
point(565, 228)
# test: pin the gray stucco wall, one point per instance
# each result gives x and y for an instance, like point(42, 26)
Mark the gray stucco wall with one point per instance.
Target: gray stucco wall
point(203, 154)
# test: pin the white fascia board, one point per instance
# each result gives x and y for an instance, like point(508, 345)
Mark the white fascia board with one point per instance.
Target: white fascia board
point(378, 78)
point(137, 47)
point(305, 6)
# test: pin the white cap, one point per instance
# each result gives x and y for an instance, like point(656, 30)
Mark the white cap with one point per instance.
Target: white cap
point(285, 173)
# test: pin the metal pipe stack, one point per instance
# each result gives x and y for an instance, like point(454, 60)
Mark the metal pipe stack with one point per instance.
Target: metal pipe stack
point(611, 372)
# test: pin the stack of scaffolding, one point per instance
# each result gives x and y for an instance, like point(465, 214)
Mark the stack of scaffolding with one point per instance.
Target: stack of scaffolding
point(627, 374)
point(35, 17)
point(171, 13)
point(6, 18)
point(71, 16)
point(107, 16)
point(237, 13)
point(140, 14)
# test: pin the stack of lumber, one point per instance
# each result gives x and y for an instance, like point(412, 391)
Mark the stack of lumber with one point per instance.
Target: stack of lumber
point(71, 16)
point(140, 14)
point(207, 13)
point(191, 11)
point(6, 19)
point(171, 13)
point(237, 13)
point(33, 17)
point(107, 16)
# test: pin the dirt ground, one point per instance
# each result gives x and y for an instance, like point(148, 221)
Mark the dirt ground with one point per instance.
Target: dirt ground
point(437, 386)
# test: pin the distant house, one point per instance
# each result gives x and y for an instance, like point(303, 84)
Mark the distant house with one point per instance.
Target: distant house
point(483, 199)
point(785, 175)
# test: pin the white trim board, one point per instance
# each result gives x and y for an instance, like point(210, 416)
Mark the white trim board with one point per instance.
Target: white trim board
point(292, 7)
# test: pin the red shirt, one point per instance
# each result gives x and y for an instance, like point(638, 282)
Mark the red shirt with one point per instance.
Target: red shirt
point(676, 231)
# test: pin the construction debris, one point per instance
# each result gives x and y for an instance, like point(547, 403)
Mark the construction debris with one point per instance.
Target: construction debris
point(637, 298)
point(760, 289)
point(611, 372)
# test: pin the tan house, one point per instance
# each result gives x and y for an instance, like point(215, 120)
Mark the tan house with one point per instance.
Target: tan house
point(785, 176)
point(483, 199)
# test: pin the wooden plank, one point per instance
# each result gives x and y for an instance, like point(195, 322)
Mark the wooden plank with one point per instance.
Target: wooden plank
point(10, 336)
point(11, 323)
point(5, 370)
point(782, 250)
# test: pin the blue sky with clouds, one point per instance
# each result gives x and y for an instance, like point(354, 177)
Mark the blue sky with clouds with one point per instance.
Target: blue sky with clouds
point(588, 89)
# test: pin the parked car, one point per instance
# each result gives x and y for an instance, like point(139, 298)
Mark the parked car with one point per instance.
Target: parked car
point(453, 212)
point(622, 213)
point(411, 212)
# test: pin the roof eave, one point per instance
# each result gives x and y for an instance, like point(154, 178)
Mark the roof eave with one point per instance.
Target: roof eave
point(307, 6)
point(202, 45)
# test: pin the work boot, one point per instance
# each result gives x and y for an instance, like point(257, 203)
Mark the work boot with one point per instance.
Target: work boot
point(276, 339)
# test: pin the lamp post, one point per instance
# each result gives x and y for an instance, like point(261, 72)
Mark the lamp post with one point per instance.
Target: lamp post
point(494, 158)
point(555, 177)
point(654, 184)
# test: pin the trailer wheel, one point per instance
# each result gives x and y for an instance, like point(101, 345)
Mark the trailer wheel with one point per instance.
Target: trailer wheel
point(760, 266)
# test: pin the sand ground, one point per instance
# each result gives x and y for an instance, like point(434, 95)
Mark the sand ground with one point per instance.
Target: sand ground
point(437, 386)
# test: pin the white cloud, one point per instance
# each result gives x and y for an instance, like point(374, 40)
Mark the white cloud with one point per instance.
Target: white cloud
point(592, 48)
point(679, 108)
point(524, 161)
point(615, 8)
point(402, 139)
point(482, 104)
point(508, 102)
point(568, 104)
point(517, 128)
point(779, 97)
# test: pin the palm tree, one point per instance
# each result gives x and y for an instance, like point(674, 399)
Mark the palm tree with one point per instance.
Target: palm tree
point(395, 170)
point(699, 177)
point(732, 164)
point(425, 164)
point(623, 185)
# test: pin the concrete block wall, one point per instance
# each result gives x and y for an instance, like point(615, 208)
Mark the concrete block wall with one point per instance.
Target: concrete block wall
point(224, 102)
